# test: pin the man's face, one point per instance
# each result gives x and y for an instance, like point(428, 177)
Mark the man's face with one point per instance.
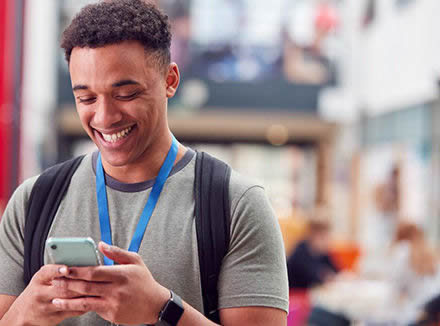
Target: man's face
point(121, 98)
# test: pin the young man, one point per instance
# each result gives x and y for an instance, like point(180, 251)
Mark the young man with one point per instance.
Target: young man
point(122, 77)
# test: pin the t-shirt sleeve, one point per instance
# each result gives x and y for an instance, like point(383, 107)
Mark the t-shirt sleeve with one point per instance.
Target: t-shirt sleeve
point(12, 241)
point(254, 271)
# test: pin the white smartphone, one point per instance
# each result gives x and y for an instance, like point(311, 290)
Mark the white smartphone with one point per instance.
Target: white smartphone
point(73, 251)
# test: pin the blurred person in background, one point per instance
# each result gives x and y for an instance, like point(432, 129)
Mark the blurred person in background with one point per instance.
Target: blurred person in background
point(308, 266)
point(430, 314)
point(310, 263)
point(413, 270)
point(118, 52)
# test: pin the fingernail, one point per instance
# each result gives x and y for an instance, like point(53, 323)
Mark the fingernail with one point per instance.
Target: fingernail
point(56, 302)
point(105, 246)
point(63, 270)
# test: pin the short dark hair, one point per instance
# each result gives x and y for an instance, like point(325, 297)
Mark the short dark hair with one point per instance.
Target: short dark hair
point(114, 21)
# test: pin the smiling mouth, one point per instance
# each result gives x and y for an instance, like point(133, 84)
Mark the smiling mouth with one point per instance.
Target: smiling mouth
point(113, 138)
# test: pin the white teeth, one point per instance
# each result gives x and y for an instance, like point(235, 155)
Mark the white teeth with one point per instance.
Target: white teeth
point(111, 138)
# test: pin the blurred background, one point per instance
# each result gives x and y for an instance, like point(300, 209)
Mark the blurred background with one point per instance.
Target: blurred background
point(332, 104)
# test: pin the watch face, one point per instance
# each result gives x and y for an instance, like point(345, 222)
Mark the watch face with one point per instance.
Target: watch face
point(173, 310)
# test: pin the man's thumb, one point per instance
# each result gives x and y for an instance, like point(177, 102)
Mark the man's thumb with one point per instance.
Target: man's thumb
point(118, 255)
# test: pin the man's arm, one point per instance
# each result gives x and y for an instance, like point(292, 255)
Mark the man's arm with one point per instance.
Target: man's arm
point(242, 316)
point(6, 302)
point(127, 293)
point(15, 297)
point(254, 271)
point(256, 316)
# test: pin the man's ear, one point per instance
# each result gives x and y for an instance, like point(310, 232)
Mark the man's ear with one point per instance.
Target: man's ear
point(172, 79)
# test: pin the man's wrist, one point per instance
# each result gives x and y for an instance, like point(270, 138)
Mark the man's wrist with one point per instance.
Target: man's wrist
point(12, 318)
point(172, 311)
point(163, 295)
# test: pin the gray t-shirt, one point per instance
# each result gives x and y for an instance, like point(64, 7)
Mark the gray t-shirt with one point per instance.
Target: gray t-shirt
point(253, 272)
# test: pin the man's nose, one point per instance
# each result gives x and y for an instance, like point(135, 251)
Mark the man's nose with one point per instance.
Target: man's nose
point(107, 113)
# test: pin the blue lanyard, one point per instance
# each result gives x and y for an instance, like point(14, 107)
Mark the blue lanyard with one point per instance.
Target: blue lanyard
point(101, 193)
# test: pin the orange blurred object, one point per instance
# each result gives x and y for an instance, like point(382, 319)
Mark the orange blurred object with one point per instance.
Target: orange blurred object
point(345, 255)
point(293, 230)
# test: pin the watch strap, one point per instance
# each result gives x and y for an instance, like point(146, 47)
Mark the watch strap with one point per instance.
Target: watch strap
point(172, 311)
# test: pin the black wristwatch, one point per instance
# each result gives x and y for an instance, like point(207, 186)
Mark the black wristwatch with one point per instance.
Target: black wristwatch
point(172, 311)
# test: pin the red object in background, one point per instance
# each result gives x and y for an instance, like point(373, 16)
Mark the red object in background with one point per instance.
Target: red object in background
point(11, 45)
point(299, 307)
point(6, 94)
point(326, 18)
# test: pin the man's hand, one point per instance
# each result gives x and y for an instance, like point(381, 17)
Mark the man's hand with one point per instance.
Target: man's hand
point(34, 306)
point(124, 294)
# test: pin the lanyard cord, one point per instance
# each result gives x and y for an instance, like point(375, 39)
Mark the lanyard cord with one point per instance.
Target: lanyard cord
point(101, 193)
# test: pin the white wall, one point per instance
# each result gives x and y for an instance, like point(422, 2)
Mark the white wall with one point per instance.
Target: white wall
point(39, 82)
point(389, 65)
point(399, 70)
point(341, 103)
point(435, 27)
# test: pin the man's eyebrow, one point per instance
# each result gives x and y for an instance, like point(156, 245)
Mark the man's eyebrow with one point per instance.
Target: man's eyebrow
point(125, 82)
point(117, 84)
point(78, 87)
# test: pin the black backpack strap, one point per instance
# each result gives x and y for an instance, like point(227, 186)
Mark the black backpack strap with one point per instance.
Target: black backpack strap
point(46, 195)
point(212, 210)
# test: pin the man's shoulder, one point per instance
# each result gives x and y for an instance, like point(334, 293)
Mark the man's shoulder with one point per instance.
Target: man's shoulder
point(240, 185)
point(83, 160)
point(240, 182)
point(24, 190)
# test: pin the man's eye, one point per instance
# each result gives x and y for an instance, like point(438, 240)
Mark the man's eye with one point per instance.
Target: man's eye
point(127, 97)
point(86, 100)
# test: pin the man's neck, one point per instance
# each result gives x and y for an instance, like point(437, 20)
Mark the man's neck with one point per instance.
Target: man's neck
point(142, 170)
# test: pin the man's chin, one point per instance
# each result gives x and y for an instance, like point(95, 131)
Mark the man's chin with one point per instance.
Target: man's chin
point(114, 160)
